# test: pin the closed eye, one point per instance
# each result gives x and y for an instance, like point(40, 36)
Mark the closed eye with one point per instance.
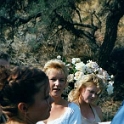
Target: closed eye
point(62, 80)
point(93, 92)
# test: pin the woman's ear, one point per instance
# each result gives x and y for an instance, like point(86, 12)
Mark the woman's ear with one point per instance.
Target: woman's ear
point(22, 107)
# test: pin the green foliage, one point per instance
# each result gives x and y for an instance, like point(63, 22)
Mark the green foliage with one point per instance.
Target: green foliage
point(32, 30)
point(56, 18)
point(2, 11)
point(34, 45)
point(36, 7)
point(72, 69)
point(58, 7)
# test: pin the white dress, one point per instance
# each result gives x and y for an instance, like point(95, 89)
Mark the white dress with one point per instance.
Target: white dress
point(71, 116)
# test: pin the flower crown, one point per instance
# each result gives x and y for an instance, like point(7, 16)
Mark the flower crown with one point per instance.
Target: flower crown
point(77, 68)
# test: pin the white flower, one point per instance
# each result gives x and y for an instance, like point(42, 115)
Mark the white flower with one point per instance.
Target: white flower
point(103, 74)
point(70, 78)
point(106, 75)
point(110, 88)
point(112, 76)
point(80, 66)
point(88, 70)
point(58, 57)
point(76, 60)
point(100, 76)
point(92, 64)
point(111, 82)
point(78, 74)
point(68, 65)
point(77, 69)
point(100, 71)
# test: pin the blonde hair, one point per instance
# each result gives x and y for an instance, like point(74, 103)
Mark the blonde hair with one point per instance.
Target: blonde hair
point(56, 64)
point(83, 82)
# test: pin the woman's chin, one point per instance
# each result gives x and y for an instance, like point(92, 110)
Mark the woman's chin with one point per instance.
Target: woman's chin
point(55, 95)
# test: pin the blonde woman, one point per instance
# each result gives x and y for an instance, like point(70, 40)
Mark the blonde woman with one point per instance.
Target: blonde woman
point(85, 93)
point(62, 111)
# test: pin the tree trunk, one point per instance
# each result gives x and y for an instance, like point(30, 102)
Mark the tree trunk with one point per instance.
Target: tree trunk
point(111, 32)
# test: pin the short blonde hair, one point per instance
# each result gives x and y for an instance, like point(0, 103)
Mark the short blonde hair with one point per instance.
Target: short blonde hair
point(56, 64)
point(83, 82)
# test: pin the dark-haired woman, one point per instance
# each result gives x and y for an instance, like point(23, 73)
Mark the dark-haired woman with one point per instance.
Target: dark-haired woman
point(4, 73)
point(25, 96)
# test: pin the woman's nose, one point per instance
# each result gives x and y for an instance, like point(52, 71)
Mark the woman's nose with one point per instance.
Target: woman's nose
point(57, 82)
point(94, 95)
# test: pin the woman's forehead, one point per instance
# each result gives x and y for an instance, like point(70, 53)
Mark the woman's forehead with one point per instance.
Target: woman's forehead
point(94, 88)
point(54, 71)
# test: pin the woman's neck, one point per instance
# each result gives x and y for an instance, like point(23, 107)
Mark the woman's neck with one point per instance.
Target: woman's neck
point(83, 105)
point(60, 102)
point(15, 122)
point(19, 121)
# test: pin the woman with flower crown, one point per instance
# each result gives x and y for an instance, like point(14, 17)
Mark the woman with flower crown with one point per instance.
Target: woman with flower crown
point(85, 93)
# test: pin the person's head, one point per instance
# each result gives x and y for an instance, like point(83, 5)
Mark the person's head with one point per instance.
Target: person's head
point(25, 96)
point(4, 73)
point(4, 59)
point(57, 73)
point(86, 89)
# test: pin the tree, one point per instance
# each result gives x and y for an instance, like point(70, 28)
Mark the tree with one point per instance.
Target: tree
point(65, 16)
point(116, 11)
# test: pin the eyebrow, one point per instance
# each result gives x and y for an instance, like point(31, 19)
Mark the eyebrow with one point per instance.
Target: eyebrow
point(92, 91)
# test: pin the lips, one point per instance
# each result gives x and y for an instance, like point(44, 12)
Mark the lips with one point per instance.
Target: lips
point(56, 89)
point(92, 99)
